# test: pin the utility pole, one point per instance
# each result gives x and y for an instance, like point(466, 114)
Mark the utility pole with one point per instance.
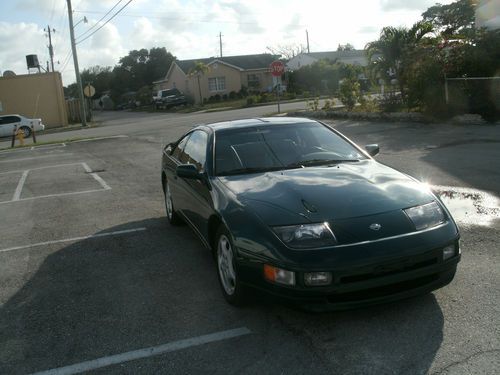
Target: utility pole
point(75, 61)
point(220, 43)
point(51, 49)
point(307, 37)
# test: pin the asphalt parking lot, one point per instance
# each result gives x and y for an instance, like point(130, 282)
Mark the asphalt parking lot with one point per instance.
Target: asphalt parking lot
point(93, 279)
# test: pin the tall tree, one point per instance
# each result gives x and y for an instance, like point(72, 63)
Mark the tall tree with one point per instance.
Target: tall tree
point(146, 66)
point(387, 55)
point(198, 70)
point(345, 47)
point(455, 20)
point(287, 51)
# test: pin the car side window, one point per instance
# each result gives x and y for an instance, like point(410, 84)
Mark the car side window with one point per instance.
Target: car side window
point(195, 151)
point(180, 147)
point(10, 120)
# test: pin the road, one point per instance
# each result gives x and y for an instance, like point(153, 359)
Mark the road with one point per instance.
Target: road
point(93, 277)
point(125, 122)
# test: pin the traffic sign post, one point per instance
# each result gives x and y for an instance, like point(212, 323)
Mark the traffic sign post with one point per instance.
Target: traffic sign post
point(277, 69)
point(89, 92)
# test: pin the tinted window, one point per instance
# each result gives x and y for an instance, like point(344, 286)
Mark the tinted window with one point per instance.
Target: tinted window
point(275, 147)
point(180, 146)
point(195, 151)
point(9, 120)
point(169, 92)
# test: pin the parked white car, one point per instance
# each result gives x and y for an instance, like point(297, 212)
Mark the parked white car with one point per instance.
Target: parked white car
point(8, 122)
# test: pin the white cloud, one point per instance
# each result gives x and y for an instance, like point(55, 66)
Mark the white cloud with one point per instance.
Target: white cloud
point(18, 40)
point(395, 5)
point(190, 28)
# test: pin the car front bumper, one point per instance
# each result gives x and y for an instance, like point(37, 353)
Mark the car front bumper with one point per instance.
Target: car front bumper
point(362, 285)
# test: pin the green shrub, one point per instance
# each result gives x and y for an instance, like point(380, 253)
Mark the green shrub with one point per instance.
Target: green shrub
point(252, 99)
point(313, 105)
point(264, 97)
point(368, 104)
point(349, 93)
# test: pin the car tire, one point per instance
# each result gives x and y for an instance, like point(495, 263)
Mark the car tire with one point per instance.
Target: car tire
point(26, 131)
point(172, 216)
point(227, 268)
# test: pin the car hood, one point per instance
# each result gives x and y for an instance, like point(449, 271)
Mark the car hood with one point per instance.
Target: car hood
point(336, 192)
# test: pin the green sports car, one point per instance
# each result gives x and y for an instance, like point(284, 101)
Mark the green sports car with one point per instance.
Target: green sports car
point(292, 207)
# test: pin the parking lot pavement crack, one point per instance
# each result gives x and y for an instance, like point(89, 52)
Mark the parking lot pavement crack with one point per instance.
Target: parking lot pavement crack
point(465, 360)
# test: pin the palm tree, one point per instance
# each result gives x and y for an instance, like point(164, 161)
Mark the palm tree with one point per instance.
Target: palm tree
point(198, 69)
point(391, 52)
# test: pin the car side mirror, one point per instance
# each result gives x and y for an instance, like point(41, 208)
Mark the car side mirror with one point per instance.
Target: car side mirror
point(188, 171)
point(372, 149)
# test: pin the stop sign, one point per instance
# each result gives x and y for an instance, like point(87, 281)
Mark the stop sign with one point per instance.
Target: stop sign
point(277, 68)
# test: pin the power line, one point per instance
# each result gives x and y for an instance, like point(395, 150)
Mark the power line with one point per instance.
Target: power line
point(66, 61)
point(97, 23)
point(145, 15)
point(100, 27)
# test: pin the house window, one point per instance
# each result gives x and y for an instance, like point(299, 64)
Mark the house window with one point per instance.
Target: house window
point(217, 84)
point(253, 81)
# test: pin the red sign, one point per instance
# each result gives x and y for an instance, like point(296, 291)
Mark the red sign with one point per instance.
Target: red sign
point(277, 68)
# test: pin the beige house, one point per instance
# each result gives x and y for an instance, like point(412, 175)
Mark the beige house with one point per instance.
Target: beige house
point(34, 96)
point(225, 75)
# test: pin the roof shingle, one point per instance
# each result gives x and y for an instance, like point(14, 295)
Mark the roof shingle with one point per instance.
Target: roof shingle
point(244, 62)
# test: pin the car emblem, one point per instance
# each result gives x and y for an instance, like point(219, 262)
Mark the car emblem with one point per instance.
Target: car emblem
point(375, 226)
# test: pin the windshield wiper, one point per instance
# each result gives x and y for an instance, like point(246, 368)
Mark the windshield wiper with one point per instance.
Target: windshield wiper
point(249, 170)
point(312, 162)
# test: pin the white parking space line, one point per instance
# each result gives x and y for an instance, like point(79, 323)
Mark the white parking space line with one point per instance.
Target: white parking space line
point(98, 178)
point(115, 233)
point(56, 195)
point(44, 167)
point(36, 158)
point(17, 193)
point(20, 184)
point(146, 352)
point(100, 138)
point(41, 147)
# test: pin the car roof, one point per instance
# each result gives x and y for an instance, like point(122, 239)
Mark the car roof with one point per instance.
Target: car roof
point(261, 121)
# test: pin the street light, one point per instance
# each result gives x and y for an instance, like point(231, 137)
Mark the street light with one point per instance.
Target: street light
point(84, 20)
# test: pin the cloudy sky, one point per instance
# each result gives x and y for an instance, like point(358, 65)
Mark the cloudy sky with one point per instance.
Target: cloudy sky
point(190, 28)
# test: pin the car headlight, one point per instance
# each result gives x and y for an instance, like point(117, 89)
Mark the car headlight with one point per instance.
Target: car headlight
point(426, 216)
point(306, 236)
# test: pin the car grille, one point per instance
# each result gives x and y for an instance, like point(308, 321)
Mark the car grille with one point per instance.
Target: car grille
point(382, 291)
point(388, 269)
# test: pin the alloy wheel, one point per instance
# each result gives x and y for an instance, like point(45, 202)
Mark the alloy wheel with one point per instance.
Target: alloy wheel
point(225, 264)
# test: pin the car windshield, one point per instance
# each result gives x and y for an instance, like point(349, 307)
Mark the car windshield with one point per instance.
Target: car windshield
point(276, 147)
point(170, 92)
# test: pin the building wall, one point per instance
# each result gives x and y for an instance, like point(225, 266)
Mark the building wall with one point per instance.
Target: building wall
point(35, 96)
point(179, 80)
point(232, 78)
point(264, 77)
point(231, 75)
